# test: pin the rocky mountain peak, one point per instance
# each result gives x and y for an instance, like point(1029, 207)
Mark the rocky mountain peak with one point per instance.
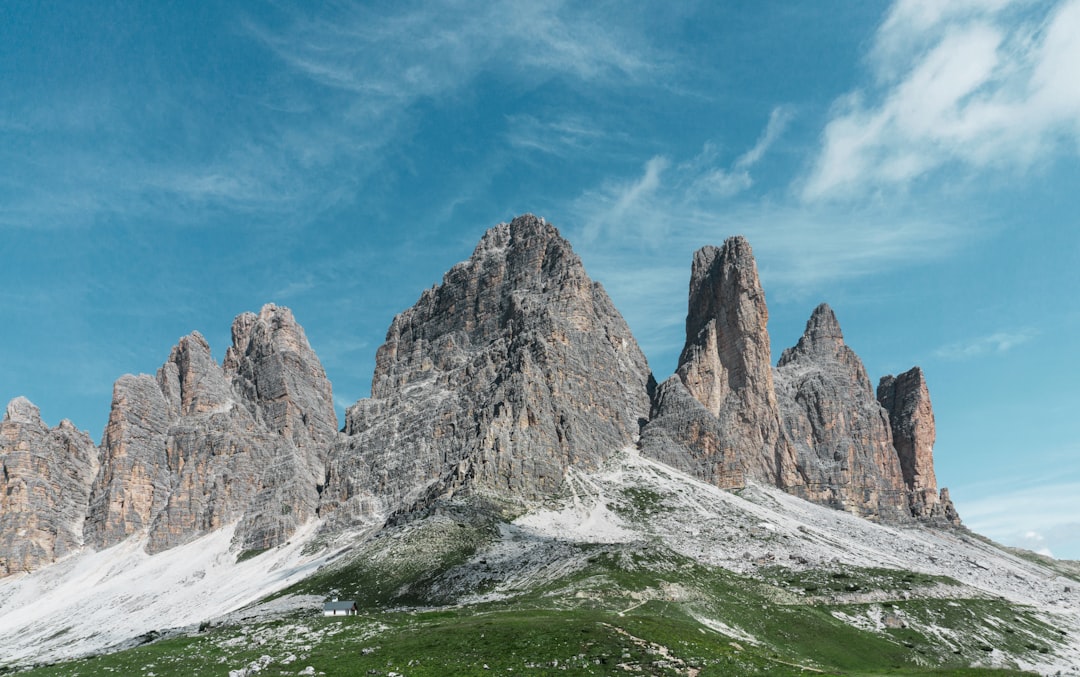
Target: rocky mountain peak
point(203, 445)
point(727, 344)
point(45, 480)
point(191, 380)
point(822, 337)
point(726, 367)
point(514, 368)
point(22, 410)
point(279, 377)
point(841, 434)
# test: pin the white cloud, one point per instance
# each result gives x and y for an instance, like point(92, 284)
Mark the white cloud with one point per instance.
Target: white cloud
point(678, 207)
point(992, 344)
point(394, 59)
point(979, 85)
point(1041, 516)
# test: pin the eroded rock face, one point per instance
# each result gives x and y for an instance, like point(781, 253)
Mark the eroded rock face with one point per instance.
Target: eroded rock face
point(279, 377)
point(497, 381)
point(201, 446)
point(841, 435)
point(911, 415)
point(45, 480)
point(725, 367)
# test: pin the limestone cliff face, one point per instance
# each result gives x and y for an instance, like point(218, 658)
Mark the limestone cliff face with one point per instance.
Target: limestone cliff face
point(907, 399)
point(841, 435)
point(280, 379)
point(718, 416)
point(201, 445)
point(134, 481)
point(45, 479)
point(497, 381)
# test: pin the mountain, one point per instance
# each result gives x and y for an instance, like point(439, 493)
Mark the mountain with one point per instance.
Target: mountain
point(45, 480)
point(811, 426)
point(514, 369)
point(717, 417)
point(517, 454)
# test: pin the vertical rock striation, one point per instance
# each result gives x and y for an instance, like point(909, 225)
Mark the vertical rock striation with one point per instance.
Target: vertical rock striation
point(811, 426)
point(514, 369)
point(907, 399)
point(841, 434)
point(280, 379)
point(718, 418)
point(45, 479)
point(201, 445)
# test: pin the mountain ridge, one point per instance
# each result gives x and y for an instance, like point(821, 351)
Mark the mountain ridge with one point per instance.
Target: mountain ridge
point(512, 370)
point(516, 446)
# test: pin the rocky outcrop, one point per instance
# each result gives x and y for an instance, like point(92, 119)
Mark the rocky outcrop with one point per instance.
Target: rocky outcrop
point(45, 480)
point(280, 379)
point(841, 435)
point(907, 399)
point(497, 381)
point(135, 481)
point(201, 446)
point(718, 418)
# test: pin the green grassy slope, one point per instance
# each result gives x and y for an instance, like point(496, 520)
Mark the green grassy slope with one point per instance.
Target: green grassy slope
point(630, 608)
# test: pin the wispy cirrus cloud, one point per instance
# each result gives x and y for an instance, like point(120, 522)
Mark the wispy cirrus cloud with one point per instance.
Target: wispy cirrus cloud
point(973, 85)
point(396, 58)
point(992, 344)
point(562, 136)
point(678, 207)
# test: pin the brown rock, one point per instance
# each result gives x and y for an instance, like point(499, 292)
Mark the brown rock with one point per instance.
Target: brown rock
point(911, 415)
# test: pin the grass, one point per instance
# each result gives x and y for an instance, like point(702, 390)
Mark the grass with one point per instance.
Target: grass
point(634, 608)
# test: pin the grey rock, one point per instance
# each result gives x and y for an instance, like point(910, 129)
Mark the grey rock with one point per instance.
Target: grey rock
point(203, 445)
point(280, 378)
point(497, 381)
point(725, 366)
point(841, 435)
point(45, 480)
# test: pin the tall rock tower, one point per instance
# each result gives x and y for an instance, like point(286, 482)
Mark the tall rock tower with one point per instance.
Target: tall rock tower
point(718, 418)
point(907, 399)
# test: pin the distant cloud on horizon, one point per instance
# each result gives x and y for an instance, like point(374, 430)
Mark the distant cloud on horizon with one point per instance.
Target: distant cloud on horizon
point(1042, 518)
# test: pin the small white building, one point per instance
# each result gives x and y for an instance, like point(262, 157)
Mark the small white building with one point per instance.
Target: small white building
point(339, 608)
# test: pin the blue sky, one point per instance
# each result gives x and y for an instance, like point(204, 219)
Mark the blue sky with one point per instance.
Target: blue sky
point(166, 166)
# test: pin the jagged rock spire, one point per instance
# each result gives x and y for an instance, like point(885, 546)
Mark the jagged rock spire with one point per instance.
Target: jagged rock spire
point(279, 376)
point(726, 367)
point(203, 445)
point(840, 433)
point(45, 479)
